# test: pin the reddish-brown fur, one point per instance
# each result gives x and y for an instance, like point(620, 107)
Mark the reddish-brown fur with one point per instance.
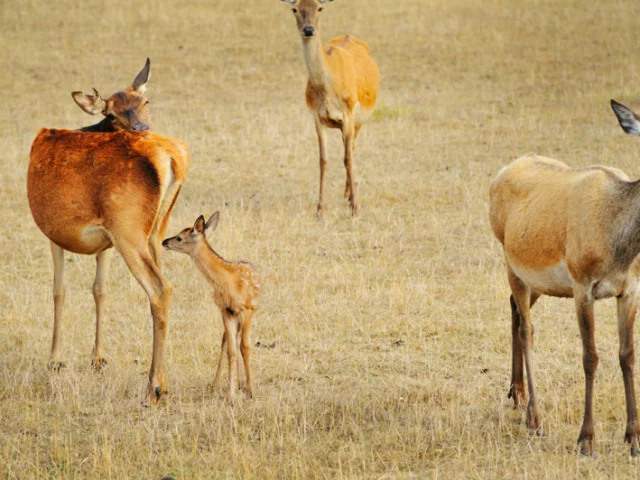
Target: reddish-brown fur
point(89, 191)
point(341, 91)
point(570, 233)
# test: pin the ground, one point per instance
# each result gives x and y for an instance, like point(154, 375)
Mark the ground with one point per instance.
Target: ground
point(392, 331)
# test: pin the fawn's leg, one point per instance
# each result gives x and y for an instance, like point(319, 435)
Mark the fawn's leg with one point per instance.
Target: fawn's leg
point(245, 349)
point(231, 327)
point(216, 381)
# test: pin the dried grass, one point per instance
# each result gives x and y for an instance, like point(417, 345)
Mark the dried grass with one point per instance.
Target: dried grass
point(467, 85)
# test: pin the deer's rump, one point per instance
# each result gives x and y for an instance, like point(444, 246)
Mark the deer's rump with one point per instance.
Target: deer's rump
point(80, 183)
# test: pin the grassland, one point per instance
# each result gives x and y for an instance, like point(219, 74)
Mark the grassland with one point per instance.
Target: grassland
point(467, 85)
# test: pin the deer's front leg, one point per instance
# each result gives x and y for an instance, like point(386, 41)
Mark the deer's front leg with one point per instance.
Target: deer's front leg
point(348, 136)
point(103, 263)
point(627, 305)
point(57, 253)
point(321, 130)
point(584, 310)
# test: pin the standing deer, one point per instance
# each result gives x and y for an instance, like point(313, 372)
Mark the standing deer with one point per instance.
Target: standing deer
point(341, 91)
point(571, 233)
point(109, 187)
point(236, 289)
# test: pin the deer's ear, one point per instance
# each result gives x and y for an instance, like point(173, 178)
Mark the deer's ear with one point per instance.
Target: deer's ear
point(140, 83)
point(628, 120)
point(198, 227)
point(91, 104)
point(212, 223)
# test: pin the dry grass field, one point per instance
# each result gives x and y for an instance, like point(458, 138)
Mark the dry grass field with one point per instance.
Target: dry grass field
point(466, 86)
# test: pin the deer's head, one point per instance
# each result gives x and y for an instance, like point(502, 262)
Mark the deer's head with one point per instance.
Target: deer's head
point(190, 238)
point(307, 13)
point(124, 110)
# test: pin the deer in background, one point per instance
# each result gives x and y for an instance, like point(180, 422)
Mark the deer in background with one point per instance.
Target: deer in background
point(341, 90)
point(571, 233)
point(236, 290)
point(112, 185)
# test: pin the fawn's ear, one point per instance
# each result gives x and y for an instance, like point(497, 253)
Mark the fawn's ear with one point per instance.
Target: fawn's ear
point(212, 223)
point(198, 227)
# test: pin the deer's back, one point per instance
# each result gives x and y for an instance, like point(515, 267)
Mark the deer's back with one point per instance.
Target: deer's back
point(552, 218)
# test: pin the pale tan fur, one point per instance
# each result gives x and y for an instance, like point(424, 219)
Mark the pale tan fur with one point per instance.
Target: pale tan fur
point(109, 186)
point(236, 290)
point(341, 91)
point(570, 233)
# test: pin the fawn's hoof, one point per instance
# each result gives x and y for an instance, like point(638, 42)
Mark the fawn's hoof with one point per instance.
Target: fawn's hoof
point(56, 365)
point(99, 363)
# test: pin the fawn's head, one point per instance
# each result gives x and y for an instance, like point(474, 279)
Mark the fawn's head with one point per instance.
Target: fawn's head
point(124, 110)
point(190, 238)
point(307, 13)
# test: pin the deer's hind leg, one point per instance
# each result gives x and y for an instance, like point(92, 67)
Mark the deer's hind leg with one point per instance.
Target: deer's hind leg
point(522, 298)
point(516, 389)
point(135, 253)
point(159, 230)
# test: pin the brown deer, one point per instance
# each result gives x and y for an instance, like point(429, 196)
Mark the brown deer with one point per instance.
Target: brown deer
point(570, 233)
point(124, 110)
point(341, 91)
point(89, 191)
point(236, 290)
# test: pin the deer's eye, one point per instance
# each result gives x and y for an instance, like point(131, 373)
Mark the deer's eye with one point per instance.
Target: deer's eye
point(320, 9)
point(294, 10)
point(179, 239)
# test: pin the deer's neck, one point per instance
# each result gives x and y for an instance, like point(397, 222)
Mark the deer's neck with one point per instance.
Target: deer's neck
point(213, 266)
point(315, 61)
point(102, 126)
point(626, 241)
